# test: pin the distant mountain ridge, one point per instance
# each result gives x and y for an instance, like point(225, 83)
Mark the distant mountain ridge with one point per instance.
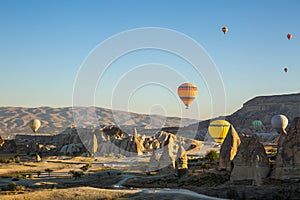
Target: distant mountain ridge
point(262, 108)
point(55, 120)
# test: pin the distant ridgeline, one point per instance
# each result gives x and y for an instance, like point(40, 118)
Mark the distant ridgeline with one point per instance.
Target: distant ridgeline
point(264, 107)
point(283, 103)
point(55, 120)
point(259, 108)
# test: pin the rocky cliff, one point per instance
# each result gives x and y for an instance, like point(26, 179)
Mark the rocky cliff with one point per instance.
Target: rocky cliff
point(262, 108)
point(287, 163)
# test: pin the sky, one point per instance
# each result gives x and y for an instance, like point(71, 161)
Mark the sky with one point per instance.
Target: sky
point(44, 45)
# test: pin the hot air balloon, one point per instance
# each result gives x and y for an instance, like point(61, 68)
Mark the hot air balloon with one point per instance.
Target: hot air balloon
point(286, 69)
point(224, 29)
point(257, 124)
point(289, 36)
point(35, 125)
point(279, 122)
point(187, 93)
point(218, 130)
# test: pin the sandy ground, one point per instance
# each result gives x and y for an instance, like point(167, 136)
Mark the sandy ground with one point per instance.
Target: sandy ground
point(96, 193)
point(103, 181)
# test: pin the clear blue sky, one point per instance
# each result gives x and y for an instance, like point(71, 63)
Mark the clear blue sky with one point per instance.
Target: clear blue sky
point(44, 43)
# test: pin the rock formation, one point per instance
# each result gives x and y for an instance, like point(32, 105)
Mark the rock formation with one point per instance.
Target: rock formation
point(1, 141)
point(167, 159)
point(250, 162)
point(128, 146)
point(229, 149)
point(154, 162)
point(287, 164)
point(169, 155)
point(9, 146)
point(71, 149)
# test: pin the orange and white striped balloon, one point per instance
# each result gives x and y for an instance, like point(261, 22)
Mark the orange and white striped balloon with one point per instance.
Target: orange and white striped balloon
point(187, 93)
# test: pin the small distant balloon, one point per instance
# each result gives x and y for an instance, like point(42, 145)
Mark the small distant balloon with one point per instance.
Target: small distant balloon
point(289, 36)
point(257, 124)
point(224, 29)
point(279, 122)
point(286, 69)
point(35, 125)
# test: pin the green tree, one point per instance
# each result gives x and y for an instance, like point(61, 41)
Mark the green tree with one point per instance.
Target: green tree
point(75, 174)
point(86, 167)
point(49, 171)
point(212, 155)
point(38, 173)
point(17, 159)
point(204, 166)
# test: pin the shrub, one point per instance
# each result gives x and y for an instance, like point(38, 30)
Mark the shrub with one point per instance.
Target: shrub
point(86, 167)
point(31, 176)
point(21, 176)
point(204, 166)
point(17, 159)
point(49, 171)
point(75, 174)
point(14, 187)
point(212, 155)
point(3, 160)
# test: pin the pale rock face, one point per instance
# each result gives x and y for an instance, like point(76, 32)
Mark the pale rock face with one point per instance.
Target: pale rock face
point(71, 149)
point(250, 162)
point(172, 149)
point(229, 149)
point(117, 144)
point(182, 162)
point(287, 164)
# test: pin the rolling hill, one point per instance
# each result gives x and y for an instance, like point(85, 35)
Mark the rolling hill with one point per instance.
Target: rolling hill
point(55, 120)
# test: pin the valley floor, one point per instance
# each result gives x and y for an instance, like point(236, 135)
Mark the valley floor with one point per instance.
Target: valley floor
point(125, 178)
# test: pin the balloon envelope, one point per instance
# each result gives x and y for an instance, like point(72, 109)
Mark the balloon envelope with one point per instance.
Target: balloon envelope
point(279, 122)
point(257, 124)
point(286, 69)
point(218, 130)
point(35, 125)
point(187, 93)
point(224, 29)
point(289, 36)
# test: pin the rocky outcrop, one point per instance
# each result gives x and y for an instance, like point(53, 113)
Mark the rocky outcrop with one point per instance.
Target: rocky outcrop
point(128, 146)
point(250, 162)
point(9, 146)
point(167, 159)
point(113, 132)
point(170, 155)
point(287, 163)
point(229, 149)
point(182, 159)
point(262, 108)
point(71, 149)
